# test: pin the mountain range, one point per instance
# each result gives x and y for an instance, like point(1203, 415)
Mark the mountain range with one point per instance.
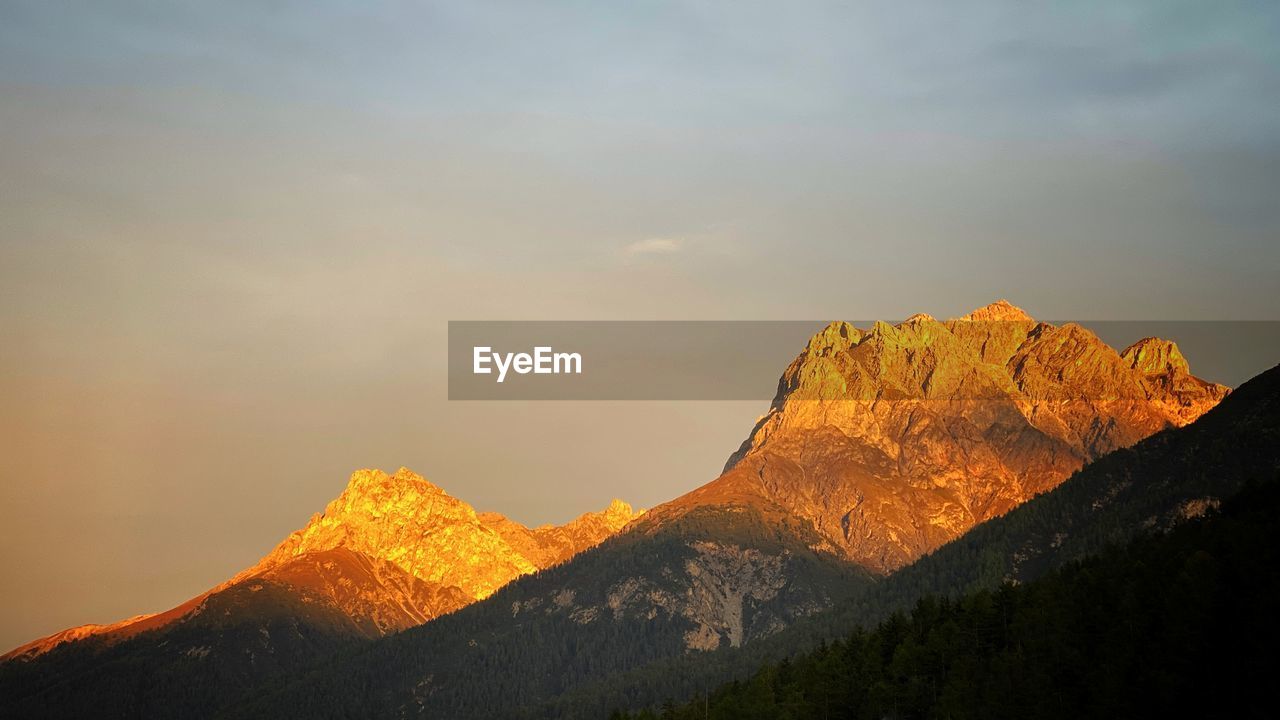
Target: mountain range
point(881, 446)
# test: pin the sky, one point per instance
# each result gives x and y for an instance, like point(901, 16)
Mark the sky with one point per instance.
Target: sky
point(232, 234)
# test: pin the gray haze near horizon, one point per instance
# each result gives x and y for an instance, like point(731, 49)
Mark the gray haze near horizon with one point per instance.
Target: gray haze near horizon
point(232, 234)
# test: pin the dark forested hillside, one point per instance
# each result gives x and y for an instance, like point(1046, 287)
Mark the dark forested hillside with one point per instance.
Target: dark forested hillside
point(233, 645)
point(1177, 624)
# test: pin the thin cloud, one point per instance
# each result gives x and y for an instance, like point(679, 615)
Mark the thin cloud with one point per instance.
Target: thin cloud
point(654, 246)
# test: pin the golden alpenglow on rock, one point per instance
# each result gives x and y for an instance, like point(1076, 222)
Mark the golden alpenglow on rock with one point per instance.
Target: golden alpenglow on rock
point(407, 521)
point(894, 439)
point(390, 552)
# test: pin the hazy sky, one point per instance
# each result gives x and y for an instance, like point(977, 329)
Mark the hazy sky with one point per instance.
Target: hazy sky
point(231, 234)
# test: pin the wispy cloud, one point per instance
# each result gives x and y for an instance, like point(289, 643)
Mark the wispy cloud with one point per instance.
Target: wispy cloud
point(654, 246)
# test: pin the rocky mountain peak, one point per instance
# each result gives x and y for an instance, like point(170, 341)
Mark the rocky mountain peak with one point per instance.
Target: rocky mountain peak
point(407, 521)
point(999, 311)
point(894, 440)
point(835, 337)
point(1153, 356)
point(373, 495)
point(1167, 379)
point(372, 485)
point(620, 512)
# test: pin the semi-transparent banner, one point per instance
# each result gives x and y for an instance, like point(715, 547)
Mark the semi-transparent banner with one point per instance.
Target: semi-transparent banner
point(747, 360)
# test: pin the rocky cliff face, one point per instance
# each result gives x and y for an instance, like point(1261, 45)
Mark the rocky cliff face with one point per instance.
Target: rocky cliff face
point(392, 551)
point(1168, 381)
point(895, 439)
point(723, 576)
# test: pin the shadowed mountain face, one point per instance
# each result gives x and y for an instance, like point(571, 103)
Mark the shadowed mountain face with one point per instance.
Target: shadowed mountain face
point(391, 552)
point(894, 440)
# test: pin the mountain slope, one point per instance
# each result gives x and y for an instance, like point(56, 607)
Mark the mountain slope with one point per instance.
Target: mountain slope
point(1177, 624)
point(232, 642)
point(709, 579)
point(391, 552)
